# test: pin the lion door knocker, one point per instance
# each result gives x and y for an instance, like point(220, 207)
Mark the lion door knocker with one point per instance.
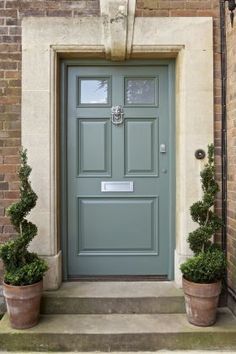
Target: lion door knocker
point(117, 115)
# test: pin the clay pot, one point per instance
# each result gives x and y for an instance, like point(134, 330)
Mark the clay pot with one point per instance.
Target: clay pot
point(23, 304)
point(201, 301)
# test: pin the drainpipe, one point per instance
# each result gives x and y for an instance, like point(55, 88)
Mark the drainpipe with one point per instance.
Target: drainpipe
point(224, 134)
point(223, 124)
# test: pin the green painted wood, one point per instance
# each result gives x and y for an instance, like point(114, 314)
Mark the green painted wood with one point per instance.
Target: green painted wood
point(119, 233)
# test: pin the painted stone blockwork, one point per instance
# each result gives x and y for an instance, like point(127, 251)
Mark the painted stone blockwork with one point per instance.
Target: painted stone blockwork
point(231, 125)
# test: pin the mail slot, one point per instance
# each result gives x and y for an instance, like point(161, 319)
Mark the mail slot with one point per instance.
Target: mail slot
point(117, 186)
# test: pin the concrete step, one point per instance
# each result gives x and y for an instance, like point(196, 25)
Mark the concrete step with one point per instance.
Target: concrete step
point(158, 352)
point(115, 332)
point(114, 297)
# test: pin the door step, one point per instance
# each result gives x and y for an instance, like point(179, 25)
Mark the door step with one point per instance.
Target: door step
point(114, 297)
point(116, 332)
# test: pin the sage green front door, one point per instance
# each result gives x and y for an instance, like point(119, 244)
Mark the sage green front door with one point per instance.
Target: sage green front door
point(118, 144)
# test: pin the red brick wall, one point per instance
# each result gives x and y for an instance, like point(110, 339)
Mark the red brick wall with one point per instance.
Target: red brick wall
point(11, 13)
point(231, 125)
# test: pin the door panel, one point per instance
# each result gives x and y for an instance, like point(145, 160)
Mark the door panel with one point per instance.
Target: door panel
point(117, 228)
point(94, 153)
point(137, 233)
point(141, 147)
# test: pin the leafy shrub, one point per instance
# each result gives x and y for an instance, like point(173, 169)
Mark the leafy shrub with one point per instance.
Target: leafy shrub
point(206, 267)
point(208, 263)
point(21, 266)
point(201, 211)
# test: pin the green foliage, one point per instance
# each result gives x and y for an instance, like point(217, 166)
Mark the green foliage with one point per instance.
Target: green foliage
point(208, 263)
point(206, 267)
point(21, 266)
point(201, 211)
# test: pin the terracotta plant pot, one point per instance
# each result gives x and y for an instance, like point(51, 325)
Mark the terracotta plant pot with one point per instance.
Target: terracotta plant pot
point(23, 304)
point(201, 301)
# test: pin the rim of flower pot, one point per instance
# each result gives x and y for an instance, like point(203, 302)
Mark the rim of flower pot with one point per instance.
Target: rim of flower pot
point(22, 286)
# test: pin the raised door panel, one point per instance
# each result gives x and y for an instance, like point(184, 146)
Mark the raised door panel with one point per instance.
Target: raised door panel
point(94, 150)
point(141, 155)
point(118, 226)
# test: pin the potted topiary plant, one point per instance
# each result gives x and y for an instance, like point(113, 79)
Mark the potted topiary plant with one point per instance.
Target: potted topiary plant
point(24, 270)
point(203, 273)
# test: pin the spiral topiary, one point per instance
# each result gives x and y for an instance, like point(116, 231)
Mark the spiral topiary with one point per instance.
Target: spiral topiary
point(208, 263)
point(21, 266)
point(201, 211)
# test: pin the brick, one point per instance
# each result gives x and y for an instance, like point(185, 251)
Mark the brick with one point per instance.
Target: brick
point(59, 13)
point(12, 75)
point(15, 83)
point(9, 151)
point(79, 5)
point(150, 4)
point(11, 195)
point(3, 83)
point(10, 56)
point(16, 124)
point(15, 30)
point(12, 4)
point(4, 186)
point(9, 100)
point(4, 220)
point(3, 30)
point(28, 5)
point(11, 142)
point(207, 4)
point(12, 22)
point(8, 117)
point(7, 168)
point(8, 13)
point(9, 229)
point(6, 65)
point(183, 13)
point(5, 48)
point(168, 5)
point(14, 186)
point(13, 91)
point(10, 39)
point(32, 12)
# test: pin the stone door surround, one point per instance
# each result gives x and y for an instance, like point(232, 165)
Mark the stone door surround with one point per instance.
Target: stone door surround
point(115, 35)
